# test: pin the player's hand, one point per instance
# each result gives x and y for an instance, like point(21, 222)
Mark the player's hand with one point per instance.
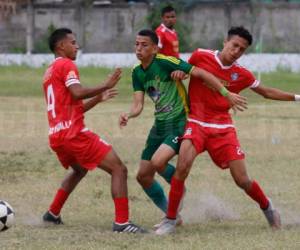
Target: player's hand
point(179, 75)
point(113, 78)
point(237, 102)
point(108, 94)
point(123, 119)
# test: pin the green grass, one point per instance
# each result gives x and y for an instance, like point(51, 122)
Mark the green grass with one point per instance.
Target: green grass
point(217, 214)
point(27, 82)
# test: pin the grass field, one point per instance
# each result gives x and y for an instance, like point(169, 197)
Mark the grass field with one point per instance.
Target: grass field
point(217, 214)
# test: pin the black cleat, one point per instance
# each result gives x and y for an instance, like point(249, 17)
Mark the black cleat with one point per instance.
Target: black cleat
point(128, 227)
point(49, 217)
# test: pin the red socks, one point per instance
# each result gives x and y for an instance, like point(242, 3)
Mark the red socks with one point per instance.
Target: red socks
point(121, 210)
point(176, 193)
point(58, 202)
point(257, 194)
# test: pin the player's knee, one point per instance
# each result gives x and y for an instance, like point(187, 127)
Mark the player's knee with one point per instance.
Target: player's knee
point(157, 165)
point(243, 182)
point(120, 169)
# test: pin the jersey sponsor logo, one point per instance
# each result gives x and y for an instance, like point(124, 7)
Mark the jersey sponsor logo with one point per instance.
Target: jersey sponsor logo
point(60, 126)
point(234, 76)
point(188, 131)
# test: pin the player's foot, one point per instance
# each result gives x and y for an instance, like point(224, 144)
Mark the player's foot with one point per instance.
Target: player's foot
point(49, 217)
point(128, 227)
point(179, 222)
point(167, 226)
point(272, 216)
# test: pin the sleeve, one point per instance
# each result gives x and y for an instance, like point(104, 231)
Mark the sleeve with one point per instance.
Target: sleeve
point(70, 74)
point(171, 63)
point(136, 82)
point(194, 58)
point(251, 80)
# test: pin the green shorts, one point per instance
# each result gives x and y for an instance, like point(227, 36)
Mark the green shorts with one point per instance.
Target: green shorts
point(158, 136)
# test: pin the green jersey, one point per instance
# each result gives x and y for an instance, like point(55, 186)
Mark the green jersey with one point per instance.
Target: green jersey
point(169, 96)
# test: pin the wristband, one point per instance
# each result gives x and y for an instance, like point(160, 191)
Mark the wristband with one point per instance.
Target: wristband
point(223, 91)
point(297, 98)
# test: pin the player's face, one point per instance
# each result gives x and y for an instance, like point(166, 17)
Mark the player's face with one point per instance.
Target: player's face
point(169, 19)
point(69, 46)
point(234, 48)
point(145, 48)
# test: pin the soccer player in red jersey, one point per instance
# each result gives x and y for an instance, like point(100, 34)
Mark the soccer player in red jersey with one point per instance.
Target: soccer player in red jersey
point(168, 41)
point(75, 145)
point(210, 128)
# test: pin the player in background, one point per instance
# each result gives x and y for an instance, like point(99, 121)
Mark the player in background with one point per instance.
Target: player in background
point(153, 77)
point(210, 128)
point(78, 148)
point(168, 41)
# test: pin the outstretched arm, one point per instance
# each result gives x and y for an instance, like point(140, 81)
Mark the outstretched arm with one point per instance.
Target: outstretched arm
point(236, 101)
point(275, 94)
point(79, 92)
point(136, 108)
point(104, 96)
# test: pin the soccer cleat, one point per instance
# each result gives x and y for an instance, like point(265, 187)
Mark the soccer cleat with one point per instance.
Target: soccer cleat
point(272, 216)
point(128, 227)
point(51, 218)
point(179, 222)
point(167, 226)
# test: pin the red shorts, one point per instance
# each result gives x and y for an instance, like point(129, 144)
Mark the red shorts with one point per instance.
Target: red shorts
point(221, 144)
point(86, 149)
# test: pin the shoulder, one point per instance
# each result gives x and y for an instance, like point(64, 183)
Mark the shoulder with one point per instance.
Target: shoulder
point(201, 51)
point(160, 29)
point(166, 59)
point(243, 70)
point(135, 68)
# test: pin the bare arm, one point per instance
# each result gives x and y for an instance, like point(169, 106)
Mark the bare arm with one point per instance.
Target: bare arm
point(274, 94)
point(106, 95)
point(236, 101)
point(136, 108)
point(79, 92)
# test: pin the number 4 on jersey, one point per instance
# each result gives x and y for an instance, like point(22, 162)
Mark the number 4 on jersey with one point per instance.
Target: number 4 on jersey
point(51, 100)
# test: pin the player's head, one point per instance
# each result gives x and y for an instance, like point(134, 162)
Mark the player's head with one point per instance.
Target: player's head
point(237, 41)
point(168, 16)
point(62, 42)
point(146, 44)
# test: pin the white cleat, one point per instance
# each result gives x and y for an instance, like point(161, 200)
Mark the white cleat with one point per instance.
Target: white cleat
point(167, 226)
point(272, 216)
point(178, 220)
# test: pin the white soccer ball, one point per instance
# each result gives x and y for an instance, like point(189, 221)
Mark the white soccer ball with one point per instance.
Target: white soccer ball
point(7, 216)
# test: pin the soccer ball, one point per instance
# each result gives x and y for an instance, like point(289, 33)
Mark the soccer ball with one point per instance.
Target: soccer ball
point(7, 216)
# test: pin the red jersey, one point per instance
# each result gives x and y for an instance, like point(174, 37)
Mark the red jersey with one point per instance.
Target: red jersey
point(65, 114)
point(168, 41)
point(208, 106)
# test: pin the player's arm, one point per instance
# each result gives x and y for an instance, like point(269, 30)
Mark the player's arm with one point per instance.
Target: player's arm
point(136, 108)
point(275, 94)
point(104, 96)
point(79, 92)
point(236, 101)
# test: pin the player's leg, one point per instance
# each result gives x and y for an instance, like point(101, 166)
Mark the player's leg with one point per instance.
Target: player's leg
point(112, 164)
point(187, 155)
point(253, 189)
point(151, 187)
point(75, 175)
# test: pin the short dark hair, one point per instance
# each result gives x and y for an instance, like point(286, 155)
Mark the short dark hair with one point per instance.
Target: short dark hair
point(240, 31)
point(56, 36)
point(149, 33)
point(167, 9)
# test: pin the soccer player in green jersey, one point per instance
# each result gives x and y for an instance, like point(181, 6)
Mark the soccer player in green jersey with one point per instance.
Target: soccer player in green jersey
point(153, 76)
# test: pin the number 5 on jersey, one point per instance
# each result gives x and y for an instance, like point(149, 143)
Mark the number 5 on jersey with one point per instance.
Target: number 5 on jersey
point(51, 100)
